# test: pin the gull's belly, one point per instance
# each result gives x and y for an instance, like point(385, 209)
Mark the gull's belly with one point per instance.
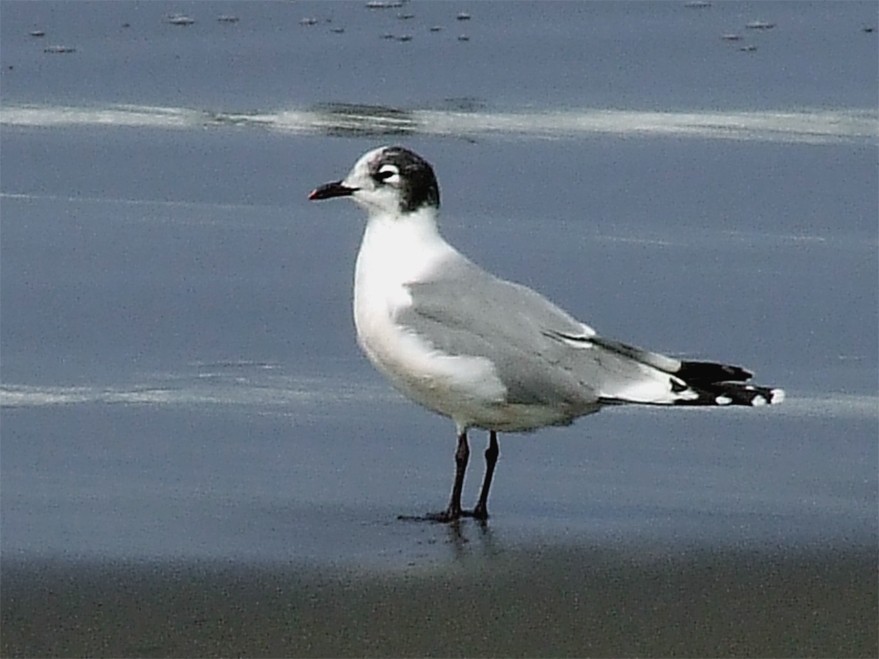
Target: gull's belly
point(458, 386)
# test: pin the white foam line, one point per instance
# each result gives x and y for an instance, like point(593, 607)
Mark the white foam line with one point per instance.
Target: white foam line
point(288, 394)
point(806, 126)
point(117, 115)
point(315, 392)
point(829, 405)
point(27, 196)
point(809, 127)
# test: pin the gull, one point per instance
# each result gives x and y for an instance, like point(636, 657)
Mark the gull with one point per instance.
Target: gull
point(485, 352)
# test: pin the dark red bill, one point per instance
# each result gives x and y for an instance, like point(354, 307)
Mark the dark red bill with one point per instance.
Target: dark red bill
point(330, 190)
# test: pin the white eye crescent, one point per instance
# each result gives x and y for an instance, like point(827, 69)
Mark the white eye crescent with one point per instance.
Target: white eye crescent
point(386, 173)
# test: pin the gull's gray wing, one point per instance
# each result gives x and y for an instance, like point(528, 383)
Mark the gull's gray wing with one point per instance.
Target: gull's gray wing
point(541, 354)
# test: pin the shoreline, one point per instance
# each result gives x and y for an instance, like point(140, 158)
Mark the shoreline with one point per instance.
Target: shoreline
point(553, 601)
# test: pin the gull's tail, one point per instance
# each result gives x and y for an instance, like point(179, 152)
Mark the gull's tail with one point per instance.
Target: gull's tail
point(720, 384)
point(668, 381)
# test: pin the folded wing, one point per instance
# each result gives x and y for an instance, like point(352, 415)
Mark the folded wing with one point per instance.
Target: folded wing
point(546, 357)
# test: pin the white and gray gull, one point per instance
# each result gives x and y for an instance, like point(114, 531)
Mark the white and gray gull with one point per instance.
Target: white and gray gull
point(485, 352)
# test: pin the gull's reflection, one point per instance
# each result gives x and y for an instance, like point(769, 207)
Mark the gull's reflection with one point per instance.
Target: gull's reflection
point(471, 537)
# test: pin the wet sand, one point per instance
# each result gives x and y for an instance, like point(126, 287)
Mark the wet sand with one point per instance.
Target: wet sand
point(535, 602)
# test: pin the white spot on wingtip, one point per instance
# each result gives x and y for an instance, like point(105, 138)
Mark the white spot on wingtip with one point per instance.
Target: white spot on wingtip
point(758, 401)
point(723, 400)
point(776, 396)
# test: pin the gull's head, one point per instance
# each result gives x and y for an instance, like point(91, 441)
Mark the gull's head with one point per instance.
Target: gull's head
point(388, 180)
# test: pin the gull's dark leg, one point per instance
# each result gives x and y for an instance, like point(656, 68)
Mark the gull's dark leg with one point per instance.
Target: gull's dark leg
point(454, 512)
point(491, 455)
point(462, 456)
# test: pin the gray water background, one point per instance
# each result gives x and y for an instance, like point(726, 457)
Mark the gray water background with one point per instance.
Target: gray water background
point(179, 372)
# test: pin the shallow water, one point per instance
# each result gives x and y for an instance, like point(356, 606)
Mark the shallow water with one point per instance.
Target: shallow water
point(204, 351)
point(633, 56)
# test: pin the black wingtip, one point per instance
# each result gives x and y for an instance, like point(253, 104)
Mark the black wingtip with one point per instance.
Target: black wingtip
point(723, 384)
point(735, 393)
point(695, 373)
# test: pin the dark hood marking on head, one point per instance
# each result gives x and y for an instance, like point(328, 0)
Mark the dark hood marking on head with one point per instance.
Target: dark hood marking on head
point(419, 186)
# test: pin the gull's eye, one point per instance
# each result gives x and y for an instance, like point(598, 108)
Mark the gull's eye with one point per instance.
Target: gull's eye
point(386, 172)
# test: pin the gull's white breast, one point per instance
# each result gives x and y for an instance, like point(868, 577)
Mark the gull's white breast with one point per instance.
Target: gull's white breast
point(395, 252)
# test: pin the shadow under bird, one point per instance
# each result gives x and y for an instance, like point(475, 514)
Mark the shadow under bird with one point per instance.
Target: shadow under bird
point(483, 351)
